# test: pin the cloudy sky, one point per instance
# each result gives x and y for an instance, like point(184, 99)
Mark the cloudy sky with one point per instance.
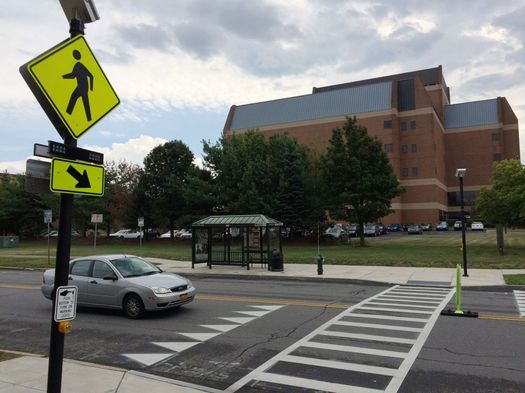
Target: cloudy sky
point(178, 65)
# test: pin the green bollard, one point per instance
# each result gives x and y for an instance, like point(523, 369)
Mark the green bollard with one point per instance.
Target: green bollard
point(459, 312)
point(458, 290)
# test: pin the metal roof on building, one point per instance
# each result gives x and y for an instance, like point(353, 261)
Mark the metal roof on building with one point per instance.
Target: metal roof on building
point(341, 102)
point(429, 76)
point(471, 114)
point(238, 220)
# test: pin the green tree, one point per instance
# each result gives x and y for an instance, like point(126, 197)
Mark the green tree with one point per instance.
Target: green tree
point(21, 212)
point(254, 175)
point(504, 202)
point(360, 181)
point(160, 191)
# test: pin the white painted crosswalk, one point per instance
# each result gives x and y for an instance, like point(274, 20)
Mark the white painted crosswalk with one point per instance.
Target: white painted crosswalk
point(368, 348)
point(174, 347)
point(520, 301)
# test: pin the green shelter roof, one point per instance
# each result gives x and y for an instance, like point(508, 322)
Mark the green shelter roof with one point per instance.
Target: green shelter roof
point(238, 220)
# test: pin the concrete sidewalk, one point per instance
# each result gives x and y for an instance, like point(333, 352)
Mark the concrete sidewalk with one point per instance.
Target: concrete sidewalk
point(28, 374)
point(382, 274)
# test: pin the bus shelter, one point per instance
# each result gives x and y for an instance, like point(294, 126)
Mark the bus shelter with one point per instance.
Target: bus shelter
point(241, 240)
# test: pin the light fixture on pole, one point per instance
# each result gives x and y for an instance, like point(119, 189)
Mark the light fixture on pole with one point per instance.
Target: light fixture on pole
point(460, 174)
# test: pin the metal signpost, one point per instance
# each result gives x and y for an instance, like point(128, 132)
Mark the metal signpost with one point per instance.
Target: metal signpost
point(141, 226)
point(48, 217)
point(96, 219)
point(75, 94)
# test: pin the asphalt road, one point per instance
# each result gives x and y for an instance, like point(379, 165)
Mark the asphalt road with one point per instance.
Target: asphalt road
point(291, 336)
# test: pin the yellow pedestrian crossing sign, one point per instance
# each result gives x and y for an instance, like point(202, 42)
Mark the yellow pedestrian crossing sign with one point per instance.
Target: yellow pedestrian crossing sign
point(71, 87)
point(75, 177)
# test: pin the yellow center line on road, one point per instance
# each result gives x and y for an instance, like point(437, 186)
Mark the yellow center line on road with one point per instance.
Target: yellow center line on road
point(501, 318)
point(20, 286)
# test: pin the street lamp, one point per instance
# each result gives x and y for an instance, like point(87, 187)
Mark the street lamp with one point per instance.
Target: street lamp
point(460, 174)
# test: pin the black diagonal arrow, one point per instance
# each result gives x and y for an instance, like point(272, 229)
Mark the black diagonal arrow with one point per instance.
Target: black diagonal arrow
point(83, 179)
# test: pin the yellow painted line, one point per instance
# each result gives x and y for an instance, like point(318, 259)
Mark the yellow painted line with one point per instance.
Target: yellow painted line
point(269, 301)
point(502, 318)
point(20, 286)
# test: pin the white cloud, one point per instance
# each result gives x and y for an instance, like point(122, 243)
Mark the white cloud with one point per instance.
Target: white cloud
point(132, 151)
point(13, 167)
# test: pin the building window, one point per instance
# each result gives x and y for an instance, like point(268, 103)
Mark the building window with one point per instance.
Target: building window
point(403, 126)
point(496, 157)
point(389, 148)
point(412, 124)
point(496, 137)
point(387, 124)
point(404, 149)
point(414, 171)
point(413, 148)
point(405, 172)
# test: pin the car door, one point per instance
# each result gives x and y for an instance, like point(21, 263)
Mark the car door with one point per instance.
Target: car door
point(103, 292)
point(79, 275)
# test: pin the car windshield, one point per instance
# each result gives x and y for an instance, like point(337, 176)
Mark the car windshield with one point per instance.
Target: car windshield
point(134, 267)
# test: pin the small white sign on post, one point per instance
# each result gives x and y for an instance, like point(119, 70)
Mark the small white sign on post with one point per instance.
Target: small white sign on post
point(141, 222)
point(66, 303)
point(48, 216)
point(97, 218)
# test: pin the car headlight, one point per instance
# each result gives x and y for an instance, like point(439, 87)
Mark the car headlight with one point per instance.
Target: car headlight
point(160, 290)
point(190, 284)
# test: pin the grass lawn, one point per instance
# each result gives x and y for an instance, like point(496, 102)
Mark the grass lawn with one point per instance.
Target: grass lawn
point(429, 249)
point(515, 279)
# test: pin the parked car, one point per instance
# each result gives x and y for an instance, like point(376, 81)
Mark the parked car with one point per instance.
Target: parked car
point(394, 228)
point(352, 230)
point(414, 230)
point(382, 229)
point(426, 227)
point(184, 234)
point(168, 234)
point(457, 226)
point(477, 226)
point(442, 226)
point(335, 232)
point(123, 282)
point(371, 230)
point(126, 234)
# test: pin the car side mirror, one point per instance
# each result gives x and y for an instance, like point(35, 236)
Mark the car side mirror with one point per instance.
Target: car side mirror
point(112, 278)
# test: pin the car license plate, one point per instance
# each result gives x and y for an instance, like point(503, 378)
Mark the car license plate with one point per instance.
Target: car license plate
point(184, 296)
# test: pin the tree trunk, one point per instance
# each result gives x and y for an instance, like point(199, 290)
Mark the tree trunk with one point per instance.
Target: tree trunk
point(361, 234)
point(499, 238)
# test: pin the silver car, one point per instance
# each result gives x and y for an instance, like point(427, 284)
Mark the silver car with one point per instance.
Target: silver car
point(123, 282)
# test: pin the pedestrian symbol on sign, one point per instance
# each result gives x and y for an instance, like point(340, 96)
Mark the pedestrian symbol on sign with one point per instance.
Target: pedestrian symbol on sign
point(72, 88)
point(84, 80)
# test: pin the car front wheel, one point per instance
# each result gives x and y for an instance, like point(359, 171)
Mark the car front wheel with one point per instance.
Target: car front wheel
point(133, 306)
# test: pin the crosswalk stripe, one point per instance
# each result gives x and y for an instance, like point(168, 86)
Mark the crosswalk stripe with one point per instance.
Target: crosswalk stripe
point(311, 383)
point(408, 299)
point(520, 300)
point(349, 348)
point(418, 295)
point(378, 326)
point(404, 310)
point(363, 368)
point(387, 303)
point(425, 289)
point(371, 337)
point(388, 317)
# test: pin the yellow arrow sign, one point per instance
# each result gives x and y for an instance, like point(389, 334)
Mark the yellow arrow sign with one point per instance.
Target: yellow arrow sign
point(71, 87)
point(74, 177)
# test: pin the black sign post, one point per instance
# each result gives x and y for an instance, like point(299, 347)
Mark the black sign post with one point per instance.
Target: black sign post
point(56, 345)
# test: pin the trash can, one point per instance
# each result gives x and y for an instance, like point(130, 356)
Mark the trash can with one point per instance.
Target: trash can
point(276, 261)
point(8, 241)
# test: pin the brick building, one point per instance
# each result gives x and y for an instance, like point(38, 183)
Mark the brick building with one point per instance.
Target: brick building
point(425, 136)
